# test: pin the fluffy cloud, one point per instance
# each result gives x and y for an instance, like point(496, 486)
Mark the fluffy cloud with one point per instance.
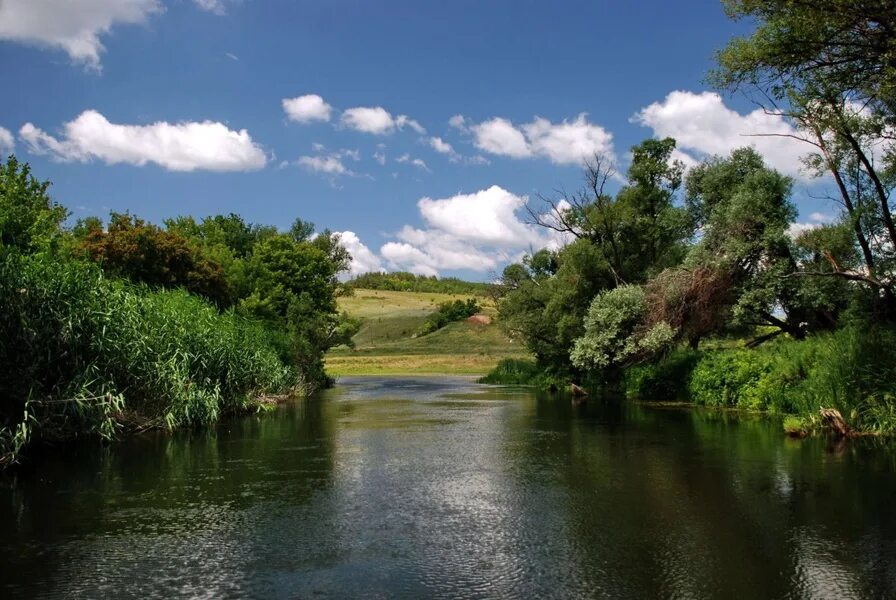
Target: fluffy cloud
point(484, 217)
point(440, 146)
point(702, 125)
point(331, 165)
point(377, 120)
point(568, 142)
point(307, 108)
point(363, 260)
point(499, 136)
point(7, 143)
point(75, 27)
point(477, 232)
point(185, 146)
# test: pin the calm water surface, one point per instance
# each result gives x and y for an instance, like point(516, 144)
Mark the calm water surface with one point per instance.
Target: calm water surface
point(426, 488)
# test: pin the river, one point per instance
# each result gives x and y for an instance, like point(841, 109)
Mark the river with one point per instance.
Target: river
point(439, 487)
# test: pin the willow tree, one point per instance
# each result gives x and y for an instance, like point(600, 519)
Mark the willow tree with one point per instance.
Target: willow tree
point(830, 69)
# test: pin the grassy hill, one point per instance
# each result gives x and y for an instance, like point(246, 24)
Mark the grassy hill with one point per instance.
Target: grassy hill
point(386, 344)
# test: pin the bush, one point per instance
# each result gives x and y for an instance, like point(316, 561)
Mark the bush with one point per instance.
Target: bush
point(512, 371)
point(851, 370)
point(666, 379)
point(448, 312)
point(83, 354)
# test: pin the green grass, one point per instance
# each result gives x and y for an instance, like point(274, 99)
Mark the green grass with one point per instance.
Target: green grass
point(84, 354)
point(386, 343)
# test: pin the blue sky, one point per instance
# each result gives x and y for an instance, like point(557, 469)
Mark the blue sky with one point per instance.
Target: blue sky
point(340, 112)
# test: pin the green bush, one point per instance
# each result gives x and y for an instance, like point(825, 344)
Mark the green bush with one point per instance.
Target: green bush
point(513, 371)
point(83, 354)
point(851, 370)
point(666, 379)
point(448, 312)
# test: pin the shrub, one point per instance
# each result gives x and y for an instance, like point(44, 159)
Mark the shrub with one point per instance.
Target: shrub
point(666, 379)
point(448, 312)
point(512, 371)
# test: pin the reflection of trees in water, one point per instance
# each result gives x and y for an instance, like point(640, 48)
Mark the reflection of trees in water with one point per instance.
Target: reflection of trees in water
point(202, 500)
point(690, 503)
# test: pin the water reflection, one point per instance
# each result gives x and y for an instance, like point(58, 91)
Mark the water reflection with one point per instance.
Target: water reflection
point(439, 487)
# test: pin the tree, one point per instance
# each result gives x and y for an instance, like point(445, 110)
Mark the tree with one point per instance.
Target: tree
point(614, 334)
point(828, 68)
point(142, 252)
point(29, 219)
point(612, 241)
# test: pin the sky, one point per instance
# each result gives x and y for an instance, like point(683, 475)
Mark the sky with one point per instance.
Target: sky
point(417, 129)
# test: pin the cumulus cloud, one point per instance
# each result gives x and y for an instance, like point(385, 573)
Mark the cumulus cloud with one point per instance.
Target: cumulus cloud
point(331, 165)
point(7, 142)
point(307, 108)
point(363, 259)
point(703, 126)
point(377, 120)
point(487, 216)
point(440, 146)
point(477, 232)
point(568, 142)
point(74, 27)
point(185, 146)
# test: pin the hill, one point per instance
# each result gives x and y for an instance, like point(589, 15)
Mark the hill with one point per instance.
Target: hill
point(386, 343)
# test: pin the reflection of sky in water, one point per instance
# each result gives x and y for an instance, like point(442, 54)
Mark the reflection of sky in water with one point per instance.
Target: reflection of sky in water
point(417, 487)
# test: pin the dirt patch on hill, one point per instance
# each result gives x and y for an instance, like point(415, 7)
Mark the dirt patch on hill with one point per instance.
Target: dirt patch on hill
point(480, 319)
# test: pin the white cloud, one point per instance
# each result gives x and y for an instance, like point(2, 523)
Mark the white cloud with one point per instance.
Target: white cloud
point(7, 143)
point(213, 6)
point(380, 157)
point(477, 231)
point(568, 142)
point(458, 122)
point(331, 165)
point(487, 216)
point(417, 162)
point(377, 120)
point(363, 259)
point(75, 27)
point(185, 146)
point(440, 146)
point(702, 126)
point(499, 136)
point(307, 108)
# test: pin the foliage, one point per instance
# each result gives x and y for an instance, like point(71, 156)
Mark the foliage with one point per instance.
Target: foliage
point(84, 354)
point(613, 241)
point(613, 338)
point(139, 251)
point(408, 282)
point(849, 369)
point(664, 379)
point(513, 371)
point(448, 312)
point(29, 219)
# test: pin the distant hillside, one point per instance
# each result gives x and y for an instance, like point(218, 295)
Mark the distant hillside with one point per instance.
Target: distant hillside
point(386, 344)
point(408, 282)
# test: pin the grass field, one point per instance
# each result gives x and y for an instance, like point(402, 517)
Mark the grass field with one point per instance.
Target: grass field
point(385, 344)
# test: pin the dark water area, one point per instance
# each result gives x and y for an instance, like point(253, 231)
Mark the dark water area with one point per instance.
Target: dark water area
point(441, 488)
